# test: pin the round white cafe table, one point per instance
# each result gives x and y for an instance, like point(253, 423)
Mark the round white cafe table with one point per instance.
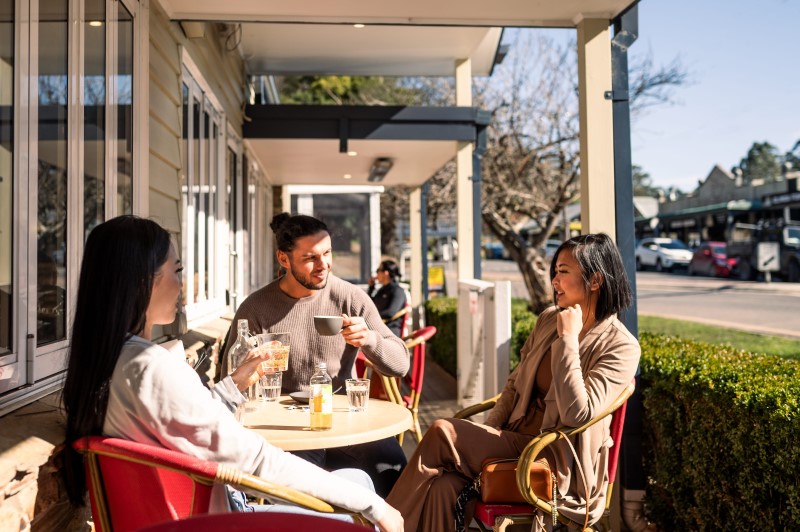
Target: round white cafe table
point(288, 428)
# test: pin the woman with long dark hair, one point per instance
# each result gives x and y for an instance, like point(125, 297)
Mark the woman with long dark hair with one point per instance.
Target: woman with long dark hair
point(390, 298)
point(119, 383)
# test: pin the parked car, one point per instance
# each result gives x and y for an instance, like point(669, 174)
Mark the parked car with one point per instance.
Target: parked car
point(662, 254)
point(495, 250)
point(711, 258)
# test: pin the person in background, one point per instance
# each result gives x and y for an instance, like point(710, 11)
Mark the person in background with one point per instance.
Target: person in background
point(576, 362)
point(390, 298)
point(290, 303)
point(121, 384)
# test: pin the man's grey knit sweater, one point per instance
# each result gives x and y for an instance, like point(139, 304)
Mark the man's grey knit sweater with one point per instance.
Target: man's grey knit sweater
point(271, 310)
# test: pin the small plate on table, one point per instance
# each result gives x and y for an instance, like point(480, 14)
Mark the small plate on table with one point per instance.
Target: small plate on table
point(300, 397)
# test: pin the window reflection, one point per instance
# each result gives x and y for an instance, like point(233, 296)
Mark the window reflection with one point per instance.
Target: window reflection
point(213, 173)
point(94, 115)
point(195, 184)
point(6, 171)
point(52, 174)
point(124, 102)
point(201, 147)
point(185, 201)
point(347, 217)
point(204, 210)
point(230, 207)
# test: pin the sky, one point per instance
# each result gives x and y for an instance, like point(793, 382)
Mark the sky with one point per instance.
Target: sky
point(743, 61)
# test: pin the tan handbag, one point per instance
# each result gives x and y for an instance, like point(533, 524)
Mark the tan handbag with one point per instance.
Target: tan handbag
point(498, 481)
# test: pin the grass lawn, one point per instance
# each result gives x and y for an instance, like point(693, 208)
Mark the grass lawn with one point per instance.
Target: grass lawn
point(755, 343)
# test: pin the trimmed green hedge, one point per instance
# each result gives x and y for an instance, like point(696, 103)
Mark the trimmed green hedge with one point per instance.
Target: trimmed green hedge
point(441, 312)
point(721, 427)
point(522, 326)
point(722, 435)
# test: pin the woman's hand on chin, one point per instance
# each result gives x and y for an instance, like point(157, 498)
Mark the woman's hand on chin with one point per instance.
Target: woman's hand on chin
point(569, 321)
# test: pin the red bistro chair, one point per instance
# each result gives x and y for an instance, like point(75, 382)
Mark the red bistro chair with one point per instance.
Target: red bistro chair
point(254, 522)
point(413, 380)
point(404, 313)
point(133, 485)
point(497, 516)
point(361, 360)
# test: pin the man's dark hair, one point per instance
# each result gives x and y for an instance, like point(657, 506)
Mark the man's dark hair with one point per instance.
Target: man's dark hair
point(597, 254)
point(288, 228)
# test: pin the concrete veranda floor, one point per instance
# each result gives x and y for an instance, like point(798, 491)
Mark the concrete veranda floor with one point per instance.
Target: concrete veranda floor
point(438, 400)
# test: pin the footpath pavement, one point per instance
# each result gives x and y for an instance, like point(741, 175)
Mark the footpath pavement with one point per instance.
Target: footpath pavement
point(653, 281)
point(757, 307)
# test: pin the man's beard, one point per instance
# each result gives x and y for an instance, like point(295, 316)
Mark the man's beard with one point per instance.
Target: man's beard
point(305, 282)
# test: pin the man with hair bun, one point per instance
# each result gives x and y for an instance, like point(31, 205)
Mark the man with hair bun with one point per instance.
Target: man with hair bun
point(289, 304)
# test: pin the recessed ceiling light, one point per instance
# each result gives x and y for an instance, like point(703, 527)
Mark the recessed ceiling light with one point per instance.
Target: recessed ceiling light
point(359, 26)
point(95, 23)
point(347, 176)
point(352, 153)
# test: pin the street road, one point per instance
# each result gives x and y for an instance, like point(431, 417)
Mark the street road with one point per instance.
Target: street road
point(772, 308)
point(768, 308)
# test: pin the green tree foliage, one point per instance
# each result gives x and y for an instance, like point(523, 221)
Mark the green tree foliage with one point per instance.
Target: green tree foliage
point(346, 90)
point(363, 90)
point(643, 183)
point(792, 157)
point(531, 167)
point(761, 162)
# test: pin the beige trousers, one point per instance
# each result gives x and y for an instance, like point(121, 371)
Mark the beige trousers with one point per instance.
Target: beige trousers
point(447, 458)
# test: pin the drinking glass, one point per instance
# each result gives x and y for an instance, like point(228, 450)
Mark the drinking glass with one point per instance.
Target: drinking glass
point(271, 386)
point(357, 394)
point(275, 347)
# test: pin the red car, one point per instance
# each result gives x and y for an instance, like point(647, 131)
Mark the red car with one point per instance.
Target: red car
point(711, 259)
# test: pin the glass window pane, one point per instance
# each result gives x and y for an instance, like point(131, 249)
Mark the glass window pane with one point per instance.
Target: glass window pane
point(347, 217)
point(6, 172)
point(252, 189)
point(185, 182)
point(124, 100)
point(230, 210)
point(52, 172)
point(230, 182)
point(247, 230)
point(94, 116)
point(213, 174)
point(195, 140)
point(205, 195)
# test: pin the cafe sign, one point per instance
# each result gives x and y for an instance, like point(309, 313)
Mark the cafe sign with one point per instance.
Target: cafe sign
point(677, 224)
point(782, 199)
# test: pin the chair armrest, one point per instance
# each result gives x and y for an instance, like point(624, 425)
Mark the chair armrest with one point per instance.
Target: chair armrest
point(412, 342)
point(477, 408)
point(539, 443)
point(259, 487)
point(397, 315)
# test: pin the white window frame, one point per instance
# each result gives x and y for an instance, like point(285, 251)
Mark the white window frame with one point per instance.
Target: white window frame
point(214, 305)
point(235, 275)
point(30, 372)
point(260, 211)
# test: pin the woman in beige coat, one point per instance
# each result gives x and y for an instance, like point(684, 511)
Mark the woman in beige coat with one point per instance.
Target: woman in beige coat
point(576, 362)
